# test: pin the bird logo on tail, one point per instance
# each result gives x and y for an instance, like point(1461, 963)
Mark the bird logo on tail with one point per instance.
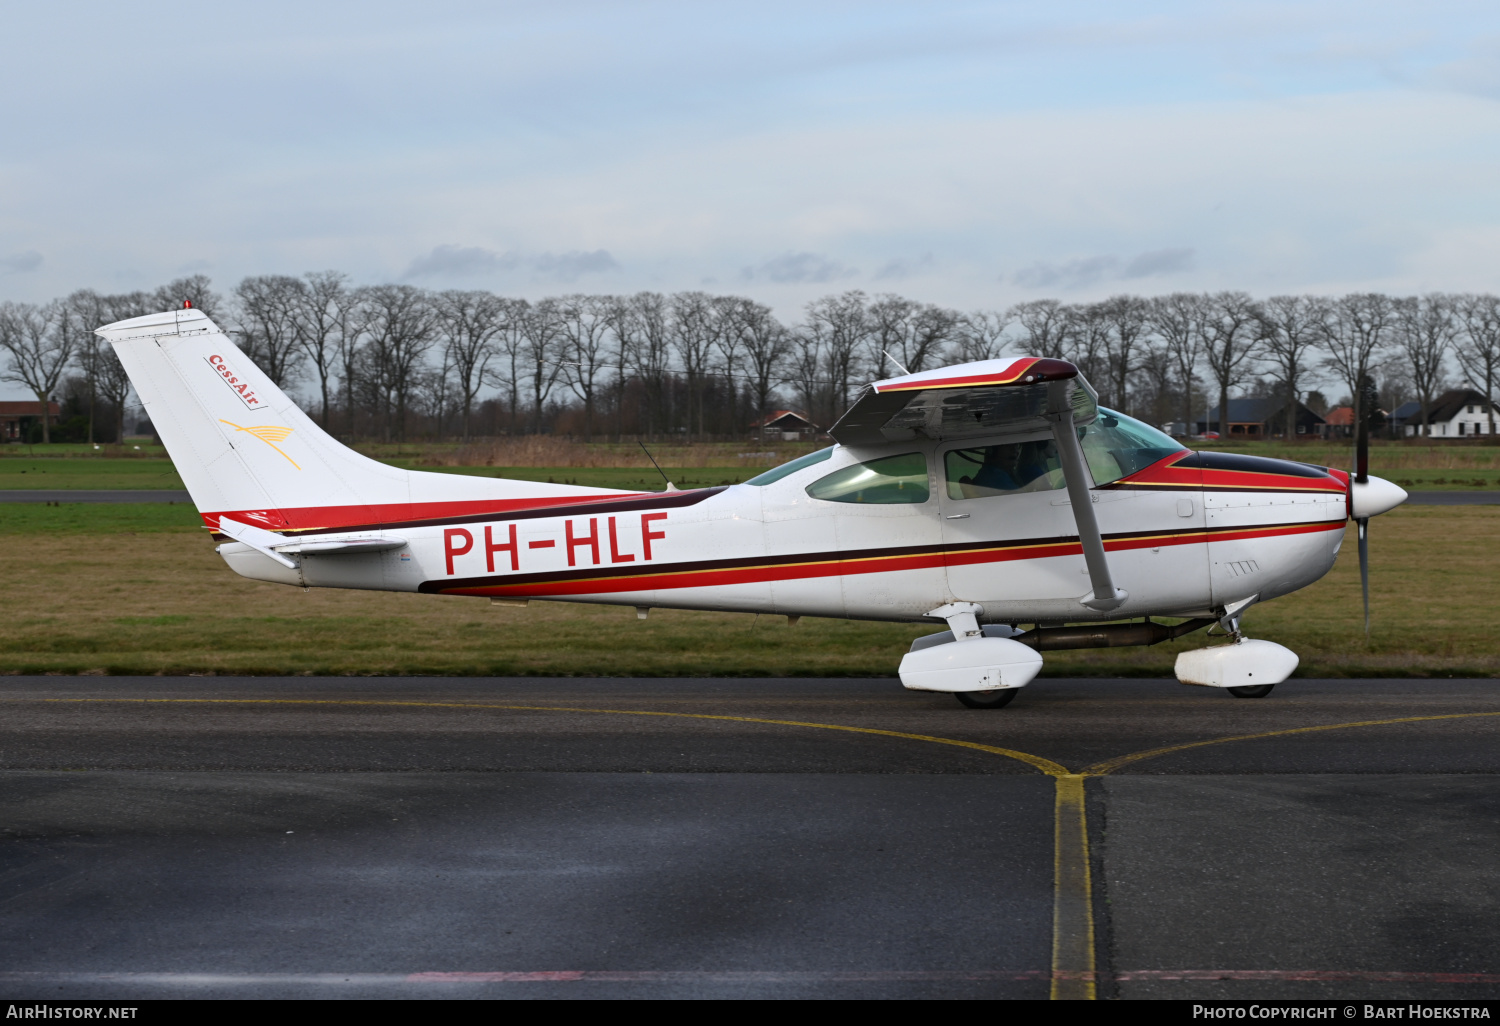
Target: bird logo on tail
point(268, 433)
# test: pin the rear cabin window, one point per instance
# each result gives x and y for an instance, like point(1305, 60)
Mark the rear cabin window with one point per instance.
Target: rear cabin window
point(891, 479)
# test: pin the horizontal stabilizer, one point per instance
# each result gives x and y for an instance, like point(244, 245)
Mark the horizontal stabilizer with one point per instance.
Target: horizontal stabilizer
point(257, 538)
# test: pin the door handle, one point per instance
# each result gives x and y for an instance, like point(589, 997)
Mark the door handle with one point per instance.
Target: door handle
point(957, 516)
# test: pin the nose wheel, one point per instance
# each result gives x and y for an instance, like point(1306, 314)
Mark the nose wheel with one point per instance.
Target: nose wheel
point(1251, 690)
point(986, 699)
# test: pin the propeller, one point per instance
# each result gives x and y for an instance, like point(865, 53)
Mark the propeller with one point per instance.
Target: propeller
point(1362, 476)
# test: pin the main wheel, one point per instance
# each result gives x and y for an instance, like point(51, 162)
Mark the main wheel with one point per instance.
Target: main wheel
point(1251, 690)
point(986, 699)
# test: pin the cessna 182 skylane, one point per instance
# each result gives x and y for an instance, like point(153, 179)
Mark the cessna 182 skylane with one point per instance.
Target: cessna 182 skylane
point(985, 495)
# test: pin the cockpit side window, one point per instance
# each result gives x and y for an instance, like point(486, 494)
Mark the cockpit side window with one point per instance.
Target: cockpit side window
point(1009, 469)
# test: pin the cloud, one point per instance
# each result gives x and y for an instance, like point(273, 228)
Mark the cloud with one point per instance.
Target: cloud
point(21, 263)
point(1075, 274)
point(1159, 261)
point(473, 261)
point(798, 267)
point(901, 267)
point(573, 265)
point(1086, 271)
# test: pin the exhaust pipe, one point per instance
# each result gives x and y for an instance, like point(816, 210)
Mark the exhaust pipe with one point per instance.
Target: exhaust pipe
point(1111, 635)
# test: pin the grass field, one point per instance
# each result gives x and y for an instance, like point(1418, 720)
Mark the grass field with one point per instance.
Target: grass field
point(1415, 466)
point(138, 589)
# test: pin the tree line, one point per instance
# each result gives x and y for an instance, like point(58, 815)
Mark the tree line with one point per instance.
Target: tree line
point(396, 362)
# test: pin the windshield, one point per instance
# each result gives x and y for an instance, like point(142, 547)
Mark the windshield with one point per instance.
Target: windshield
point(777, 473)
point(1117, 446)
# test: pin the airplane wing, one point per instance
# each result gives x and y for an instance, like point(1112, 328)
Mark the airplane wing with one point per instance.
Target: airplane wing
point(966, 400)
point(984, 398)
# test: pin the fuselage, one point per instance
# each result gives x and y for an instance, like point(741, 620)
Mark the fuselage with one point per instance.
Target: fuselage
point(1186, 535)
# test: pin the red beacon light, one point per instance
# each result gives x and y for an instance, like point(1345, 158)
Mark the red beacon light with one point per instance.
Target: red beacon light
point(187, 304)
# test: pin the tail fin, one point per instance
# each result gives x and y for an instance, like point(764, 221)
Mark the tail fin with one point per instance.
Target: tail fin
point(245, 449)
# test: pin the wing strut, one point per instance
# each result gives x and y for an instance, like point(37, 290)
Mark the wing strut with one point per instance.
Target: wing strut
point(1075, 472)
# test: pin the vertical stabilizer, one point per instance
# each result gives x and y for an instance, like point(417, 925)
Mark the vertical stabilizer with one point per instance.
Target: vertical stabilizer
point(245, 449)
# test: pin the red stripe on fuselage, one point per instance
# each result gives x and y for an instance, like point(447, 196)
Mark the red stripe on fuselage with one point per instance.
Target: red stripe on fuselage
point(377, 515)
point(790, 568)
point(1166, 473)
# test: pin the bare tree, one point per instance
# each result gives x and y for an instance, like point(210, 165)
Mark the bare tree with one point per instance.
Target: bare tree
point(505, 372)
point(266, 310)
point(396, 323)
point(1180, 320)
point(194, 289)
point(468, 323)
point(39, 351)
point(1233, 333)
point(728, 340)
point(586, 334)
point(1158, 370)
point(1478, 345)
point(542, 335)
point(111, 381)
point(981, 335)
point(1357, 329)
point(1425, 330)
point(643, 341)
point(694, 329)
point(1045, 327)
point(766, 344)
point(82, 312)
point(1127, 321)
point(1087, 342)
point(322, 322)
point(1291, 327)
point(809, 375)
point(914, 334)
point(838, 327)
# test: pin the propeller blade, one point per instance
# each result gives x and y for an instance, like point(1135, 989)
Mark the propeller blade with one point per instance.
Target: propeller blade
point(1364, 566)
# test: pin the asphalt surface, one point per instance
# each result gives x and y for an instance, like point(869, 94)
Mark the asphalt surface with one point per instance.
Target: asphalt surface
point(538, 839)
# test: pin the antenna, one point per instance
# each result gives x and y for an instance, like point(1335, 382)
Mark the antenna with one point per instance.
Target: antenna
point(670, 486)
point(897, 362)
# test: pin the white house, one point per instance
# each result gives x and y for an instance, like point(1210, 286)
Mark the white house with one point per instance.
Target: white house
point(1457, 413)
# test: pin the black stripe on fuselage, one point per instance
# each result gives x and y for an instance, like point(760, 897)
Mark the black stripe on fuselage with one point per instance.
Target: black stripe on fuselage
point(842, 555)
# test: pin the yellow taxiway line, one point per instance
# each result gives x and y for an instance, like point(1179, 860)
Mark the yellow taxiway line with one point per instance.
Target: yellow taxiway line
point(1074, 966)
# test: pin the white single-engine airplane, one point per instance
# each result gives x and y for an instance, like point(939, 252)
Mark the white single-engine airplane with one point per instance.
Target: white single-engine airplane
point(984, 495)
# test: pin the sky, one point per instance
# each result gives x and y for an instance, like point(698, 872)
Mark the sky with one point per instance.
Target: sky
point(969, 154)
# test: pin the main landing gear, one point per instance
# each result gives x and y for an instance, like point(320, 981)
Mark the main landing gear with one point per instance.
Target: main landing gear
point(986, 699)
point(1251, 690)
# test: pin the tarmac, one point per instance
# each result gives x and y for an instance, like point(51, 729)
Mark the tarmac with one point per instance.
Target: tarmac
point(641, 838)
